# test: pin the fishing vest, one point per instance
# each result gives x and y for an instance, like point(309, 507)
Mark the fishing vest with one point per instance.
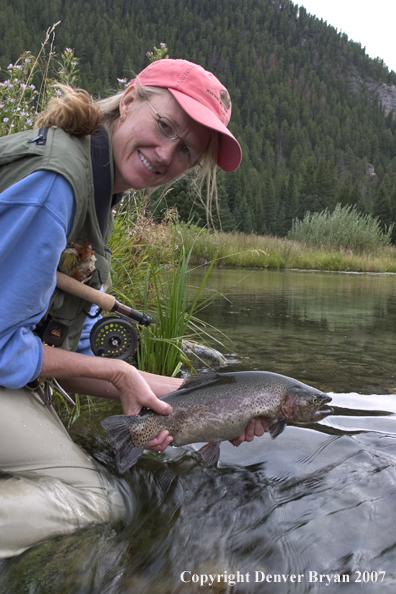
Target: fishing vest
point(87, 164)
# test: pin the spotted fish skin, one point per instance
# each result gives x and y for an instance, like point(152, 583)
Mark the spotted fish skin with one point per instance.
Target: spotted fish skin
point(216, 407)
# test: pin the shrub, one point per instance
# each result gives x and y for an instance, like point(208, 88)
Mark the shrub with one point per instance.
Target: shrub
point(343, 229)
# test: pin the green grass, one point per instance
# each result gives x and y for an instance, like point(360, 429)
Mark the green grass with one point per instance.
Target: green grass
point(160, 349)
point(252, 251)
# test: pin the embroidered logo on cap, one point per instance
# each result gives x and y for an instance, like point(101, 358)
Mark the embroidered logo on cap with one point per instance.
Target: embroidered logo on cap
point(224, 103)
point(225, 99)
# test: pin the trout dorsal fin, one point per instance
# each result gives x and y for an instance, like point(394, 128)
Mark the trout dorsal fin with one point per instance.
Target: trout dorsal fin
point(198, 379)
point(207, 379)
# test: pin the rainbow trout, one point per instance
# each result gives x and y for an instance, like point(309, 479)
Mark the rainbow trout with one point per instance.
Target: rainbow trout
point(215, 407)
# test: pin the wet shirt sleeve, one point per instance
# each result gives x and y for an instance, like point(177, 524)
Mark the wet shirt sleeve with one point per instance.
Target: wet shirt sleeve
point(36, 215)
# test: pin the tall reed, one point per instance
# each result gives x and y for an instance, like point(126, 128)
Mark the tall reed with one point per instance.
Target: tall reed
point(160, 350)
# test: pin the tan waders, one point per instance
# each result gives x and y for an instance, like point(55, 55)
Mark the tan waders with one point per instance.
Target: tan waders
point(48, 485)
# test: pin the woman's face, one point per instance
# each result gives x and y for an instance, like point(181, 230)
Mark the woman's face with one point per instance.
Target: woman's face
point(144, 157)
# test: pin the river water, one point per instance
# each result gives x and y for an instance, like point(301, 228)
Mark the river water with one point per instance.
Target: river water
point(311, 511)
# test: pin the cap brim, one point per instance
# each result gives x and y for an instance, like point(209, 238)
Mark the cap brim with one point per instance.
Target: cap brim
point(229, 153)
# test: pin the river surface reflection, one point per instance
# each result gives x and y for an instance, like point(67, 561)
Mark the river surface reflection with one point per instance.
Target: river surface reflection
point(335, 331)
point(309, 512)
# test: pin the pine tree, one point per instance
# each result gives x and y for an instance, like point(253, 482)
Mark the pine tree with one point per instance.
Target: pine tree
point(382, 208)
point(308, 196)
point(344, 195)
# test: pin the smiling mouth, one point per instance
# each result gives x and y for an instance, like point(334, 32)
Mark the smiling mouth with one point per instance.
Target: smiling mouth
point(146, 163)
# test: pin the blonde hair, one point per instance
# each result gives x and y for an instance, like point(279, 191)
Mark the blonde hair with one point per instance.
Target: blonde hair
point(78, 114)
point(73, 110)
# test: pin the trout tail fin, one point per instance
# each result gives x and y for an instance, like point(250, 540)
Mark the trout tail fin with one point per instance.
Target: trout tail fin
point(117, 429)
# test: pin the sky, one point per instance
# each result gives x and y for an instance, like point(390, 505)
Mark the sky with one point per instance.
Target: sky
point(369, 23)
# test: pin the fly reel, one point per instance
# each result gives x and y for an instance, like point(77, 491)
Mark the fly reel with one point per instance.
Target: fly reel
point(113, 337)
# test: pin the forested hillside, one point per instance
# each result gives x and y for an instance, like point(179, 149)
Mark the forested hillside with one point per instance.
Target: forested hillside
point(312, 130)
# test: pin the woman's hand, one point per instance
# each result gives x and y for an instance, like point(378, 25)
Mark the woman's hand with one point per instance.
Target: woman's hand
point(106, 378)
point(134, 391)
point(115, 379)
point(255, 428)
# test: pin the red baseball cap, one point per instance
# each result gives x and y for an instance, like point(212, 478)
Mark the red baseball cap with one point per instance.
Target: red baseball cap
point(203, 98)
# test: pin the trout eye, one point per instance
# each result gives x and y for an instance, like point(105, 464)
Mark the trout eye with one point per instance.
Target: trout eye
point(314, 399)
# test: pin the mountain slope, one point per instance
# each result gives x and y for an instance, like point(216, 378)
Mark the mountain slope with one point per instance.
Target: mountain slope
point(306, 100)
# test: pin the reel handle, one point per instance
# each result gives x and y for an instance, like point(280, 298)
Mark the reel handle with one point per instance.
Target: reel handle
point(105, 301)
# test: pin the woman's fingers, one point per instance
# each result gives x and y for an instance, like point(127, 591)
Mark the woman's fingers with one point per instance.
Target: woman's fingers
point(161, 442)
point(255, 428)
point(135, 393)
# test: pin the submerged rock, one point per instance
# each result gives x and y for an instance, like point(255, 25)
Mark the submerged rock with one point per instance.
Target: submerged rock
point(202, 354)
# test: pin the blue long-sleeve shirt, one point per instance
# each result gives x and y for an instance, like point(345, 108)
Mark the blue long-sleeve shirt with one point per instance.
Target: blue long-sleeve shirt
point(36, 215)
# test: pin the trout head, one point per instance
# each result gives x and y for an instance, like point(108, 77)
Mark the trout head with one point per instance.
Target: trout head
point(305, 405)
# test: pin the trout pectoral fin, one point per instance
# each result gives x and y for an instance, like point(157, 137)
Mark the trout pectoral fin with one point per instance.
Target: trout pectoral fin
point(277, 427)
point(210, 453)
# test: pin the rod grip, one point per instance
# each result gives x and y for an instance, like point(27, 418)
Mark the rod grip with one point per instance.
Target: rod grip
point(73, 286)
point(104, 301)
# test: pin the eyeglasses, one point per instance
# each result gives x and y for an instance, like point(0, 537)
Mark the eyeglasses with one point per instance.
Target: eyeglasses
point(168, 129)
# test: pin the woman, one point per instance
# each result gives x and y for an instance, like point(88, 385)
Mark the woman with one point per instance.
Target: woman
point(58, 187)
